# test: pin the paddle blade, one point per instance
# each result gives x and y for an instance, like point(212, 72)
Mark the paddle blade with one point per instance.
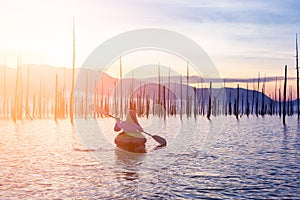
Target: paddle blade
point(160, 140)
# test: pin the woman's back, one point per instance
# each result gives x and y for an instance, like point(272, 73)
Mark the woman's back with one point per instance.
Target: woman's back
point(128, 127)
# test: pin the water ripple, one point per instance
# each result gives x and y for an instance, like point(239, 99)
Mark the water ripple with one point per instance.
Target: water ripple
point(255, 158)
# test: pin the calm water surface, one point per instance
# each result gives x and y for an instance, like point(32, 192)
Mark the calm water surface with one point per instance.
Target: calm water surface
point(249, 158)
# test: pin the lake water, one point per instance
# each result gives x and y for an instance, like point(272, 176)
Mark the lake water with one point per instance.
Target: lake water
point(218, 159)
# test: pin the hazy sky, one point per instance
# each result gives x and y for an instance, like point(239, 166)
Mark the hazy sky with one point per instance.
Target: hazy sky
point(242, 37)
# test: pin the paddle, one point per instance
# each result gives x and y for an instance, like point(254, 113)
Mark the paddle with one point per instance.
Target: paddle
point(160, 140)
point(157, 138)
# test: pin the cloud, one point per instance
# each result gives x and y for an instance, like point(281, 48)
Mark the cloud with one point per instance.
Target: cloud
point(249, 35)
point(228, 11)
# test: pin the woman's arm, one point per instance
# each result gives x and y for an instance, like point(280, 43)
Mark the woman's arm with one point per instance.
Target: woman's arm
point(139, 128)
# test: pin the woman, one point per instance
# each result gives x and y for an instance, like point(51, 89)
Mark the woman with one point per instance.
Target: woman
point(131, 138)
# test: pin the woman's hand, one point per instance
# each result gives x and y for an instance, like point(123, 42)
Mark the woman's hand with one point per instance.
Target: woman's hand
point(140, 129)
point(117, 125)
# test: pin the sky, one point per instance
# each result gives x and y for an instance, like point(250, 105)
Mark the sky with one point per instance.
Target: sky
point(241, 37)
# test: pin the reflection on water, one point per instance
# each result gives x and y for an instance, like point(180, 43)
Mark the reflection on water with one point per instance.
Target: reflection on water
point(127, 172)
point(252, 158)
point(129, 163)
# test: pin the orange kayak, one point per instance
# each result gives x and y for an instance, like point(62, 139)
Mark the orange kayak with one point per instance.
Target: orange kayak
point(133, 142)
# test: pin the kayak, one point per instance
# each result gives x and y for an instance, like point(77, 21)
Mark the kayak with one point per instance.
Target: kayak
point(133, 142)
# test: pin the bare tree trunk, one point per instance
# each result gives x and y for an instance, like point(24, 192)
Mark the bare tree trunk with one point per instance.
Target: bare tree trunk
point(203, 100)
point(181, 97)
point(86, 97)
point(256, 106)
point(263, 98)
point(56, 99)
point(159, 100)
point(73, 74)
point(40, 101)
point(247, 103)
point(229, 103)
point(187, 92)
point(115, 104)
point(102, 96)
point(64, 107)
point(291, 101)
point(5, 114)
point(164, 101)
point(27, 94)
point(95, 100)
point(237, 102)
point(214, 107)
point(242, 108)
point(284, 94)
point(15, 105)
point(279, 97)
point(275, 107)
point(195, 102)
point(209, 101)
point(169, 85)
point(225, 101)
point(34, 106)
point(297, 67)
point(20, 96)
point(253, 92)
point(147, 106)
point(121, 88)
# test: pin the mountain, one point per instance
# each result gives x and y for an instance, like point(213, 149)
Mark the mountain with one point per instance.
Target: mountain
point(44, 77)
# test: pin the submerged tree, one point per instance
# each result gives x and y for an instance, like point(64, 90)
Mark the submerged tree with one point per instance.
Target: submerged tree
point(252, 108)
point(5, 114)
point(284, 94)
point(297, 67)
point(237, 102)
point(209, 102)
point(263, 98)
point(15, 104)
point(247, 103)
point(73, 77)
point(279, 97)
point(187, 109)
point(229, 104)
point(256, 105)
point(181, 105)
